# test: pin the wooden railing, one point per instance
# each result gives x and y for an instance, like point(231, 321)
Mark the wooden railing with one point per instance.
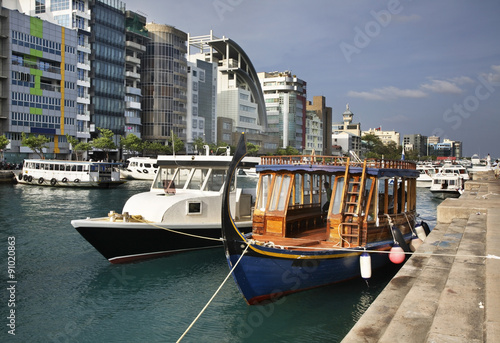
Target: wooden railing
point(334, 161)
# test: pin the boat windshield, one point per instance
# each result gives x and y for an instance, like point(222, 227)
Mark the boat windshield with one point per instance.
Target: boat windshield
point(205, 179)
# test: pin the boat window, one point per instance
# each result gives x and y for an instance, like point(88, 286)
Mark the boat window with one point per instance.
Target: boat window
point(194, 207)
point(79, 168)
point(279, 193)
point(147, 165)
point(263, 191)
point(366, 197)
point(51, 166)
point(197, 179)
point(216, 180)
point(163, 175)
point(337, 194)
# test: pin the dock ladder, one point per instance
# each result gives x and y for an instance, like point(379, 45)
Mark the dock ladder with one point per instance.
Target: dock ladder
point(351, 219)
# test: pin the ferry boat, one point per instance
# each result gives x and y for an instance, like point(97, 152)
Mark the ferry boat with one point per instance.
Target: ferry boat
point(180, 212)
point(294, 245)
point(140, 168)
point(61, 173)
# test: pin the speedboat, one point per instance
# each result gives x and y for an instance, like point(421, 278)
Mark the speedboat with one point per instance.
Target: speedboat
point(294, 245)
point(426, 171)
point(180, 212)
point(140, 168)
point(458, 169)
point(447, 185)
point(62, 173)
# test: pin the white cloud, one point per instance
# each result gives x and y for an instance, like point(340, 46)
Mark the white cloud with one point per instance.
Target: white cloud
point(441, 86)
point(388, 93)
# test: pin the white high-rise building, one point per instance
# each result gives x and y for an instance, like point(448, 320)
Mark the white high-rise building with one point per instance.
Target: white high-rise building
point(285, 97)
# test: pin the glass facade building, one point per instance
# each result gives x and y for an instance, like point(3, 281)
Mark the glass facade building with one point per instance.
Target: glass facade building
point(164, 84)
point(107, 67)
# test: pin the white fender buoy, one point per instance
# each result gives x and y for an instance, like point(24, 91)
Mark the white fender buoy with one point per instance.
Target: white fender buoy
point(365, 264)
point(397, 254)
point(420, 232)
point(415, 242)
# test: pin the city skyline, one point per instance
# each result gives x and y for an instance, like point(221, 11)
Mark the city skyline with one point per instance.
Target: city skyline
point(414, 67)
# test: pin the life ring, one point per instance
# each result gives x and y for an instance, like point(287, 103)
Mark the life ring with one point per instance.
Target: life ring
point(20, 176)
point(30, 178)
point(145, 171)
point(53, 181)
point(25, 177)
point(76, 180)
point(64, 180)
point(40, 180)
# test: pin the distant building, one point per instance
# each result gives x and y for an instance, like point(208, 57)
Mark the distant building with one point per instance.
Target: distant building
point(324, 113)
point(285, 97)
point(136, 38)
point(314, 134)
point(385, 136)
point(343, 142)
point(164, 84)
point(38, 83)
point(239, 93)
point(202, 102)
point(417, 143)
point(352, 141)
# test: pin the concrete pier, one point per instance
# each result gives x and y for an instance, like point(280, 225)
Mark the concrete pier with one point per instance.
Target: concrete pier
point(7, 176)
point(448, 291)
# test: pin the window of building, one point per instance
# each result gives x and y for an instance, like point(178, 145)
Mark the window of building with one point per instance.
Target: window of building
point(39, 6)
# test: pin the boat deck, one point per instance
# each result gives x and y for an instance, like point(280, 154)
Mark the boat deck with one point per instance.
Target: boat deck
point(316, 238)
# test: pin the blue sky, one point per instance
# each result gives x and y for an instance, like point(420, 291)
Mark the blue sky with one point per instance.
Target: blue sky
point(428, 67)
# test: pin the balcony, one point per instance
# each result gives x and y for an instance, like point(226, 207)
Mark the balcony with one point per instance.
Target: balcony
point(132, 75)
point(133, 105)
point(135, 46)
point(133, 90)
point(133, 121)
point(132, 59)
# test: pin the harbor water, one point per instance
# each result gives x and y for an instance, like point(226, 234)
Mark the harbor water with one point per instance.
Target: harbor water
point(62, 290)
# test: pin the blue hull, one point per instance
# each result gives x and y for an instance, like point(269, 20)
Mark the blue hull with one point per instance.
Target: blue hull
point(261, 277)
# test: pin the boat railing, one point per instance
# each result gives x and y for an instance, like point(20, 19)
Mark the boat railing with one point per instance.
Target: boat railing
point(335, 161)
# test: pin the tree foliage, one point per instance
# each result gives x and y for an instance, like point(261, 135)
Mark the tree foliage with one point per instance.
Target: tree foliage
point(78, 147)
point(132, 143)
point(104, 142)
point(35, 142)
point(289, 150)
point(252, 149)
point(3, 142)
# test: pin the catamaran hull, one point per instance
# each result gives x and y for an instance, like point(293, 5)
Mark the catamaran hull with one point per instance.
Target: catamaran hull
point(123, 243)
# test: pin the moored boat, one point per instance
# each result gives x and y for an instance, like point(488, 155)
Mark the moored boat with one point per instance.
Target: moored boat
point(295, 245)
point(426, 171)
point(140, 168)
point(62, 173)
point(447, 185)
point(181, 212)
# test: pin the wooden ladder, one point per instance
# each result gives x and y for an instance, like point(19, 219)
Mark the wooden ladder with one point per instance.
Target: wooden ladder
point(351, 219)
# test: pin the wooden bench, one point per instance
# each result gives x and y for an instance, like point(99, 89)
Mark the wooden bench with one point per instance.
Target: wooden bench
point(303, 217)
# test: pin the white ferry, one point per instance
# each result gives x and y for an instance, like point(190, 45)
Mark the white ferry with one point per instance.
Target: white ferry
point(61, 173)
point(140, 168)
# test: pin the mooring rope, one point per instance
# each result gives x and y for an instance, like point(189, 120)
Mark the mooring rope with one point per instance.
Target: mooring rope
point(179, 232)
point(213, 296)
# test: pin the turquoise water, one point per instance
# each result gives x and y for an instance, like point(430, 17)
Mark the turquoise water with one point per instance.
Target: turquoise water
point(65, 291)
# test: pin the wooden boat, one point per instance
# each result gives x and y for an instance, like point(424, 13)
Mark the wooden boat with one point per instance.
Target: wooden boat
point(180, 212)
point(62, 173)
point(294, 245)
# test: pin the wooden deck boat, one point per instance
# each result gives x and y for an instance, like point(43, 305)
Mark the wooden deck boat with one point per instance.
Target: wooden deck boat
point(62, 173)
point(294, 245)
